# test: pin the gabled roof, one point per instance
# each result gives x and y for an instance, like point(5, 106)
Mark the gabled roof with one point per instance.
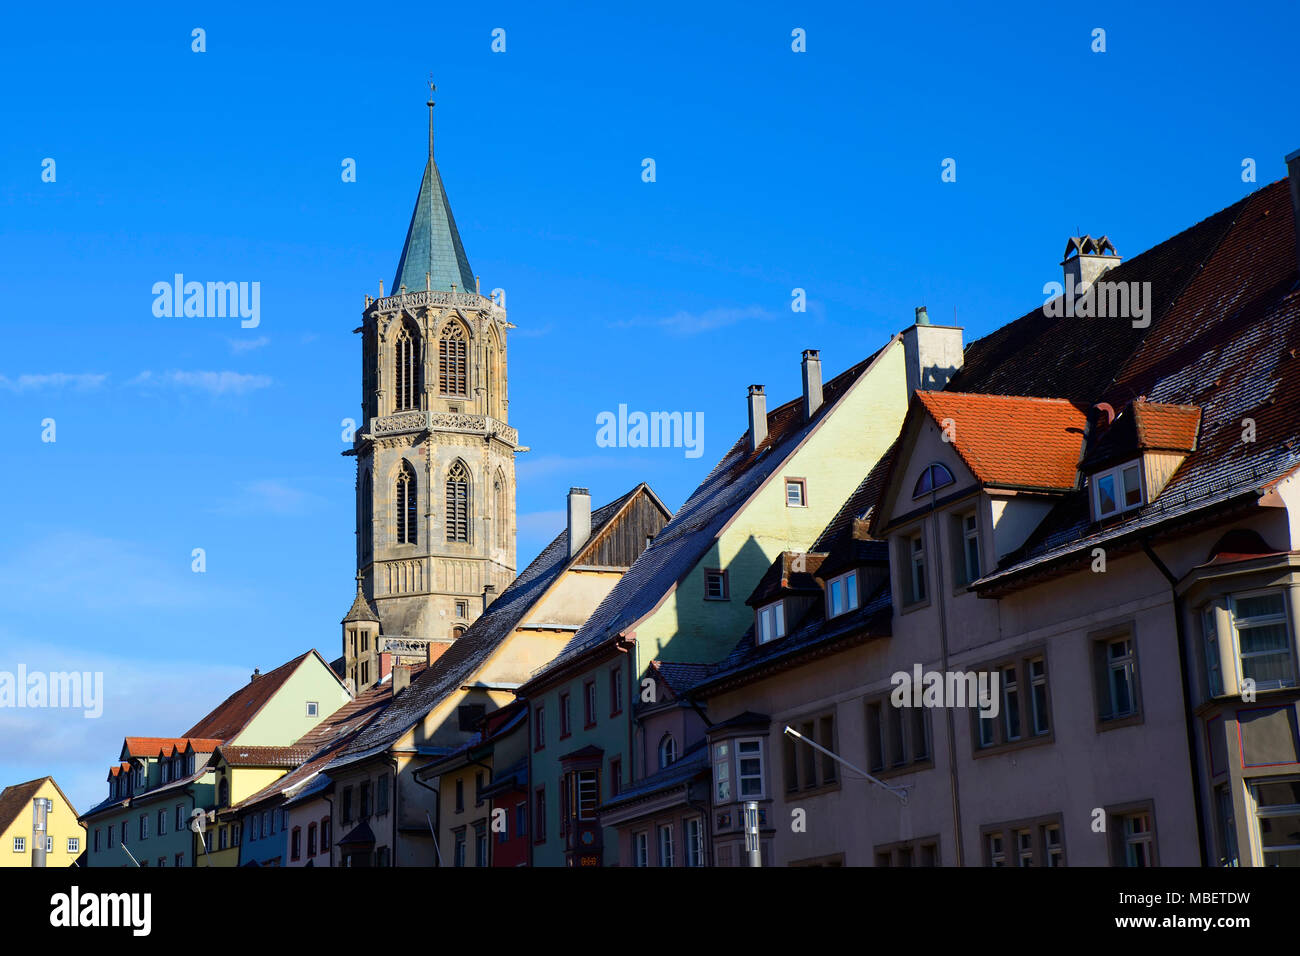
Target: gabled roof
point(1141, 427)
point(678, 774)
point(152, 747)
point(1012, 442)
point(677, 549)
point(793, 572)
point(433, 243)
point(18, 798)
point(361, 609)
point(473, 648)
point(234, 713)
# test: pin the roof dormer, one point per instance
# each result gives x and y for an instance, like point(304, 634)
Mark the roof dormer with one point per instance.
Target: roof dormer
point(1132, 456)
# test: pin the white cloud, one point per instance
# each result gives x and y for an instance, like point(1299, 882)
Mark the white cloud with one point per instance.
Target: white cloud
point(215, 383)
point(27, 383)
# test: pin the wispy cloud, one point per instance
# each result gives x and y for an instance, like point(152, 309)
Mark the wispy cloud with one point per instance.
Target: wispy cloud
point(30, 383)
point(215, 383)
point(269, 495)
point(248, 345)
point(693, 323)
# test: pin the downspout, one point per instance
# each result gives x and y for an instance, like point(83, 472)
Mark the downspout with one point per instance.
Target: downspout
point(397, 796)
point(437, 808)
point(948, 711)
point(1189, 719)
point(329, 800)
point(478, 763)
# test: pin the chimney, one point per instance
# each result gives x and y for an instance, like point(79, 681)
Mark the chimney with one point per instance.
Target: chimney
point(489, 595)
point(385, 665)
point(1085, 260)
point(757, 416)
point(401, 678)
point(812, 383)
point(435, 650)
point(257, 672)
point(579, 519)
point(932, 353)
point(1293, 178)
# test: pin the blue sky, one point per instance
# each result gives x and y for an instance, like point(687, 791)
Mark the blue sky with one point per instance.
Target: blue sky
point(774, 170)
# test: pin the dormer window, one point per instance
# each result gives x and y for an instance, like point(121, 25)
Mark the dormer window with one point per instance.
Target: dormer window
point(842, 593)
point(934, 477)
point(771, 622)
point(1116, 490)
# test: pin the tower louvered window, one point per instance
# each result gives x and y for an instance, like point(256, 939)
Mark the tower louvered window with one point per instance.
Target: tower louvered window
point(453, 351)
point(407, 522)
point(499, 510)
point(458, 503)
point(406, 370)
point(365, 530)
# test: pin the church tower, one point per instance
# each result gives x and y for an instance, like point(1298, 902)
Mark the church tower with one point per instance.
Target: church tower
point(435, 455)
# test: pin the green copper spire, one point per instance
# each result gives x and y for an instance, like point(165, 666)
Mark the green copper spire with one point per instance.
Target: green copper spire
point(433, 245)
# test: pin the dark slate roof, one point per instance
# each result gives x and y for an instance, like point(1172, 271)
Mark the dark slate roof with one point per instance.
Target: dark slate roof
point(273, 757)
point(793, 572)
point(677, 548)
point(1229, 346)
point(459, 662)
point(680, 677)
point(433, 243)
point(679, 773)
point(233, 713)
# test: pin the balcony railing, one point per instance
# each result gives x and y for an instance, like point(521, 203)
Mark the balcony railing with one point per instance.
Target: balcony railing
point(403, 423)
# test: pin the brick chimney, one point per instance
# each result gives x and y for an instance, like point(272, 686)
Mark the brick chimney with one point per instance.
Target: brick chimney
point(931, 353)
point(757, 416)
point(579, 519)
point(1293, 179)
point(385, 665)
point(435, 650)
point(812, 383)
point(1085, 260)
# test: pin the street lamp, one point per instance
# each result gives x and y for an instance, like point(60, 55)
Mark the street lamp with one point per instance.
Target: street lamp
point(900, 792)
point(751, 834)
point(41, 807)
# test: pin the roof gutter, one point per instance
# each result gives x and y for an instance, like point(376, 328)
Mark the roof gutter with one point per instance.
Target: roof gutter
point(1189, 719)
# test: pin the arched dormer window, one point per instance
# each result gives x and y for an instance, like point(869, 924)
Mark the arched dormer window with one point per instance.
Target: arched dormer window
point(667, 750)
point(934, 477)
point(406, 369)
point(458, 502)
point(499, 509)
point(453, 362)
point(407, 521)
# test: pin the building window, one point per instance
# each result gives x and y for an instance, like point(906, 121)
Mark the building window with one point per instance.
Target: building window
point(311, 839)
point(615, 691)
point(1022, 716)
point(796, 493)
point(897, 737)
point(236, 832)
point(539, 728)
point(588, 794)
point(1025, 843)
point(1263, 638)
point(667, 750)
point(407, 520)
point(162, 861)
point(615, 776)
point(1277, 814)
point(1115, 664)
point(144, 826)
point(842, 593)
point(313, 707)
point(460, 795)
point(462, 609)
point(589, 703)
point(365, 672)
point(20, 844)
point(914, 581)
point(452, 365)
point(694, 828)
point(1116, 490)
point(521, 820)
point(924, 852)
point(967, 554)
point(458, 502)
point(771, 622)
point(221, 838)
point(566, 722)
point(722, 772)
point(480, 844)
point(180, 859)
point(458, 858)
point(715, 585)
point(749, 768)
point(641, 849)
point(325, 830)
point(1227, 821)
point(1053, 849)
point(807, 768)
point(381, 796)
point(180, 818)
point(162, 822)
point(934, 477)
point(1132, 837)
point(406, 369)
point(666, 844)
point(539, 815)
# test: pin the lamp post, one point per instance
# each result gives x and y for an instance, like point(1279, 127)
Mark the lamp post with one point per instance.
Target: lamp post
point(751, 834)
point(41, 808)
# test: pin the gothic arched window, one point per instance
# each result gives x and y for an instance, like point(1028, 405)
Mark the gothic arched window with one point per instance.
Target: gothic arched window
point(458, 500)
point(407, 522)
point(365, 530)
point(499, 509)
point(492, 377)
point(453, 364)
point(406, 369)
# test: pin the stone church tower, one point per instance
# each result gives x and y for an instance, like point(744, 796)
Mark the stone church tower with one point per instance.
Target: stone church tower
point(435, 455)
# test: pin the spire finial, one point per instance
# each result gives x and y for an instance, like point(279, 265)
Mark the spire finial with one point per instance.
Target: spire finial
point(432, 89)
point(360, 577)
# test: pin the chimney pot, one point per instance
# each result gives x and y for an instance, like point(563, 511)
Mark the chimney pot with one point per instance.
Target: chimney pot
point(579, 519)
point(812, 383)
point(932, 354)
point(1086, 259)
point(922, 316)
point(257, 672)
point(757, 416)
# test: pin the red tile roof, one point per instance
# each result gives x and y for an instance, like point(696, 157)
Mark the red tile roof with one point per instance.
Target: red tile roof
point(167, 746)
point(232, 714)
point(1166, 427)
point(1010, 441)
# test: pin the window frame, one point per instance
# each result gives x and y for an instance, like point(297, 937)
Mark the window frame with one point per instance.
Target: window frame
point(1014, 851)
point(849, 584)
point(798, 754)
point(1116, 474)
point(1119, 841)
point(882, 732)
point(725, 585)
point(1099, 643)
point(769, 622)
point(802, 485)
point(1019, 661)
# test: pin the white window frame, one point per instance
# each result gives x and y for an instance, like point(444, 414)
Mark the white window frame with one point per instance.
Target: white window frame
point(313, 708)
point(693, 832)
point(801, 499)
point(770, 623)
point(1126, 665)
point(741, 776)
point(1284, 618)
point(1024, 846)
point(667, 849)
point(1035, 681)
point(995, 843)
point(722, 790)
point(667, 751)
point(1053, 848)
point(970, 537)
point(1116, 475)
point(847, 587)
point(74, 844)
point(916, 569)
point(1145, 838)
point(1279, 810)
point(641, 848)
point(20, 844)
